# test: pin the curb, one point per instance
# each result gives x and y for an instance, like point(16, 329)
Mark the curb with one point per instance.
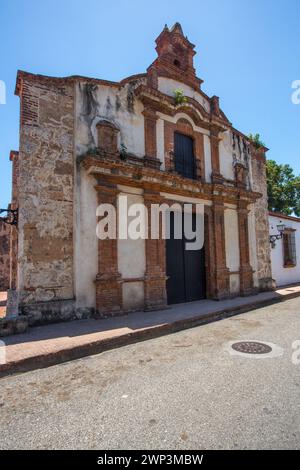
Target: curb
point(77, 352)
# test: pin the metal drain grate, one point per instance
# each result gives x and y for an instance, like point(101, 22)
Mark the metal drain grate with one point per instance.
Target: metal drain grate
point(251, 347)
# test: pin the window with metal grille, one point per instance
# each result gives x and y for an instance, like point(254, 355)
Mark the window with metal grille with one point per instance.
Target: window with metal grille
point(184, 155)
point(289, 249)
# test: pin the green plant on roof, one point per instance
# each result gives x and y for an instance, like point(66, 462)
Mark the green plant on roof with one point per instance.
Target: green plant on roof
point(256, 140)
point(179, 97)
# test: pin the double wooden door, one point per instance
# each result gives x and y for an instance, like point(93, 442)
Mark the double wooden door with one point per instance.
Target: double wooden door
point(185, 269)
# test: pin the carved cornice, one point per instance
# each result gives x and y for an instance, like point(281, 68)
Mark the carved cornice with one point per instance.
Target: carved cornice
point(116, 171)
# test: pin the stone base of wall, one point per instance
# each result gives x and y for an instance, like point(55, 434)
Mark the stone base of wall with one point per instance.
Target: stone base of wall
point(12, 303)
point(41, 313)
point(13, 326)
point(108, 295)
point(4, 255)
point(266, 284)
point(155, 293)
point(249, 291)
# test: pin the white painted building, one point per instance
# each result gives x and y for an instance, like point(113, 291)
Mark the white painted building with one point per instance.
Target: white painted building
point(285, 252)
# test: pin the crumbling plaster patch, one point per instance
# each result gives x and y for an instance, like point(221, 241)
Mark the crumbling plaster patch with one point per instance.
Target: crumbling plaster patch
point(110, 103)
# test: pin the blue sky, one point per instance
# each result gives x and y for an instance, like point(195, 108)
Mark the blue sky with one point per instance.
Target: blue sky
point(247, 53)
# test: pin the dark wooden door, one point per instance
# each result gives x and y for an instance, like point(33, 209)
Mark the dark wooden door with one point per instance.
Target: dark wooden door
point(185, 270)
point(184, 155)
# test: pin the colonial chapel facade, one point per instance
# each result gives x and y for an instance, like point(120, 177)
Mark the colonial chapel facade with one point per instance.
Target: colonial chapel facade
point(88, 141)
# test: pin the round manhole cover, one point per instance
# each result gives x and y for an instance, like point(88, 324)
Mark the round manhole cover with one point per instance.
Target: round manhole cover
point(251, 347)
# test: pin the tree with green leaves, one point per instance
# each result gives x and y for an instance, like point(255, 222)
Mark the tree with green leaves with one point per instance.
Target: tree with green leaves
point(283, 189)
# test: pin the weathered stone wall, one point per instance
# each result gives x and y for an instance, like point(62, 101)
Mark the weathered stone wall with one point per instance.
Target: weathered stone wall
point(14, 158)
point(259, 184)
point(4, 256)
point(46, 171)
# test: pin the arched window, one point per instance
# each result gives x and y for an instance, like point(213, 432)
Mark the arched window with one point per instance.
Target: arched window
point(289, 249)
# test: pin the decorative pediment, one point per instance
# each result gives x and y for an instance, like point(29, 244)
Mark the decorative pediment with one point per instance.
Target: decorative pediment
point(158, 101)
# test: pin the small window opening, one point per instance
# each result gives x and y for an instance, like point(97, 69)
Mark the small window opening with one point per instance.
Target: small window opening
point(289, 249)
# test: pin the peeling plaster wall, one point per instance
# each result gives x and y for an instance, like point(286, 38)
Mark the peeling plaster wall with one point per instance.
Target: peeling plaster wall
point(132, 259)
point(232, 248)
point(131, 253)
point(95, 103)
point(118, 105)
point(226, 156)
point(86, 242)
point(133, 295)
point(232, 239)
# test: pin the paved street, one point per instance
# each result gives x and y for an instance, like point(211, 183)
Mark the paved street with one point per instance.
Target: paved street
point(182, 391)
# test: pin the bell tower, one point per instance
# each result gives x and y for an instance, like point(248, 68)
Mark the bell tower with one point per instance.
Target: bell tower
point(175, 57)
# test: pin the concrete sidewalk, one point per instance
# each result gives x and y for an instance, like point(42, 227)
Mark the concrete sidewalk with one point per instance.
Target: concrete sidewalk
point(51, 344)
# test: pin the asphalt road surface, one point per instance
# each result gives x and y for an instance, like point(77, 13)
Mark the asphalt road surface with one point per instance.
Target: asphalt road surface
point(182, 391)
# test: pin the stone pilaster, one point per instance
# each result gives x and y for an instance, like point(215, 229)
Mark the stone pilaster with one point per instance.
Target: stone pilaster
point(108, 280)
point(155, 275)
point(216, 176)
point(199, 155)
point(246, 272)
point(259, 184)
point(220, 278)
point(169, 129)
